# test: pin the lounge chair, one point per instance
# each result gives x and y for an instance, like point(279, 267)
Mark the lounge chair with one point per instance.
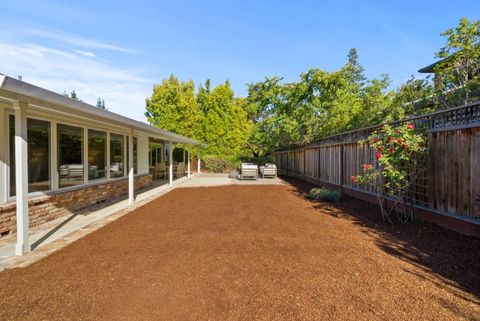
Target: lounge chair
point(248, 170)
point(180, 170)
point(160, 170)
point(269, 170)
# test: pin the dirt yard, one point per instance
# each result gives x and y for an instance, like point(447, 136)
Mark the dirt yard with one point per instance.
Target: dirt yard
point(251, 253)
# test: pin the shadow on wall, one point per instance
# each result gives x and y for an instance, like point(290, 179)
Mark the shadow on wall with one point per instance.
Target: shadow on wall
point(441, 253)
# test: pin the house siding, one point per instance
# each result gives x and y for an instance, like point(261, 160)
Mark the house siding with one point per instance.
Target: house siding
point(142, 153)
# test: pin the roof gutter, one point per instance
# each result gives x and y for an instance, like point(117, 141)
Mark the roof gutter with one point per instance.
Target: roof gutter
point(27, 89)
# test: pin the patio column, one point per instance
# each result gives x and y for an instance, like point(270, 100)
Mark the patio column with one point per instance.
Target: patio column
point(198, 160)
point(21, 178)
point(188, 162)
point(170, 164)
point(131, 177)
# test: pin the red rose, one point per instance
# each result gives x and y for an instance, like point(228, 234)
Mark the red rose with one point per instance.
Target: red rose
point(400, 140)
point(367, 167)
point(375, 139)
point(399, 131)
point(391, 139)
point(405, 146)
point(410, 126)
point(378, 156)
point(375, 132)
point(380, 149)
point(354, 179)
point(392, 150)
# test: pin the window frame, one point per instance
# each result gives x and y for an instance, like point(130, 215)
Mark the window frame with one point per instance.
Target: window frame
point(9, 113)
point(54, 120)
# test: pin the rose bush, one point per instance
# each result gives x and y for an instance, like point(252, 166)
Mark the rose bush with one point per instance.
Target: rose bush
point(397, 150)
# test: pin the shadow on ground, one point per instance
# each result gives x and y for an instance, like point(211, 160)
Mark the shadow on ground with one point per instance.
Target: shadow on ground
point(441, 253)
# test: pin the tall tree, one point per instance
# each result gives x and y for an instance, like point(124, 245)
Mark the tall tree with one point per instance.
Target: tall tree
point(458, 73)
point(225, 125)
point(101, 103)
point(173, 107)
point(354, 71)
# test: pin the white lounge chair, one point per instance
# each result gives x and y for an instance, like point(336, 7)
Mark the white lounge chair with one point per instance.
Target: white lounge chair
point(248, 170)
point(269, 170)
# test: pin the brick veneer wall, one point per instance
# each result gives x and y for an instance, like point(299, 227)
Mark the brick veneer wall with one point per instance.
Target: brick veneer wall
point(48, 207)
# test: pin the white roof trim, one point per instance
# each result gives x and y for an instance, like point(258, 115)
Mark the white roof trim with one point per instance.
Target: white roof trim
point(24, 88)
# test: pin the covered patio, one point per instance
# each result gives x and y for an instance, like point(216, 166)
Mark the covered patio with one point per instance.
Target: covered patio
point(60, 156)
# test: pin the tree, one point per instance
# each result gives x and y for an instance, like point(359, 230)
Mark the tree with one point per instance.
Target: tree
point(414, 97)
point(458, 73)
point(72, 95)
point(261, 103)
point(101, 103)
point(173, 107)
point(225, 124)
point(353, 69)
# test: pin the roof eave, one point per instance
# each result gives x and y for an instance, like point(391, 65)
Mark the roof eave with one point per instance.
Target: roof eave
point(27, 89)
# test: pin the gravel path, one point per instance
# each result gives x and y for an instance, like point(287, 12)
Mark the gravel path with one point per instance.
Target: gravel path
point(251, 253)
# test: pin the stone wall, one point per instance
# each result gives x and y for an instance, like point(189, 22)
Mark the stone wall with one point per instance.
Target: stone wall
point(48, 207)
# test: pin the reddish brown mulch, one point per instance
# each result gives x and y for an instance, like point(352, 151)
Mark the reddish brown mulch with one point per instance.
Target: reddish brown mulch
point(251, 253)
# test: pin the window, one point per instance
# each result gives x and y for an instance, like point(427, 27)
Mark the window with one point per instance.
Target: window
point(70, 151)
point(11, 133)
point(135, 162)
point(155, 154)
point(97, 154)
point(116, 155)
point(38, 158)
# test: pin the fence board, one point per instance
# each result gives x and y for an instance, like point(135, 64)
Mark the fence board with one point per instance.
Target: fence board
point(449, 183)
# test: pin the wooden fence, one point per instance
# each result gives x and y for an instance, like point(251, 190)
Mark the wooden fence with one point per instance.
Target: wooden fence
point(449, 183)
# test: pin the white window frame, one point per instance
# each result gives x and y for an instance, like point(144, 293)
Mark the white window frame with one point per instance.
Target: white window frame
point(9, 113)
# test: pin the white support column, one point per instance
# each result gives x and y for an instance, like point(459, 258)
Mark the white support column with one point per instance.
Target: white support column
point(21, 178)
point(198, 160)
point(131, 178)
point(188, 162)
point(170, 164)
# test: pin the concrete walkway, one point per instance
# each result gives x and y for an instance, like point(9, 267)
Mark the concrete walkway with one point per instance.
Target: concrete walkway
point(51, 236)
point(212, 179)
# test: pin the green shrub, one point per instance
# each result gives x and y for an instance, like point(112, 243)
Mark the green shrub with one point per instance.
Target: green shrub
point(325, 194)
point(219, 163)
point(256, 160)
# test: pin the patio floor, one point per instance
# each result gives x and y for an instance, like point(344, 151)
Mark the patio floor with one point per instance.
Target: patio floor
point(260, 252)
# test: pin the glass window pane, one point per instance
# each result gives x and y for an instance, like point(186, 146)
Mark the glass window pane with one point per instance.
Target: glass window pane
point(154, 157)
point(97, 154)
point(70, 150)
point(116, 155)
point(38, 137)
point(135, 155)
point(38, 149)
point(11, 134)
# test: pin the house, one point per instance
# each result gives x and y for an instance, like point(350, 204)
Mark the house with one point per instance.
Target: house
point(59, 155)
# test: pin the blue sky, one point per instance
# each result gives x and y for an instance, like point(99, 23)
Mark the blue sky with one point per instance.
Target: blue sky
point(118, 50)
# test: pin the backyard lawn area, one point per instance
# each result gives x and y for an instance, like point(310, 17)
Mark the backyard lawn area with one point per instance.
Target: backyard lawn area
point(251, 253)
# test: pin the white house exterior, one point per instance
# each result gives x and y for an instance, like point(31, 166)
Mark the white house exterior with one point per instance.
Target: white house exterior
point(58, 155)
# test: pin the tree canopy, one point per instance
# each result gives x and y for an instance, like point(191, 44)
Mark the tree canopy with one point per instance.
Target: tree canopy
point(321, 103)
